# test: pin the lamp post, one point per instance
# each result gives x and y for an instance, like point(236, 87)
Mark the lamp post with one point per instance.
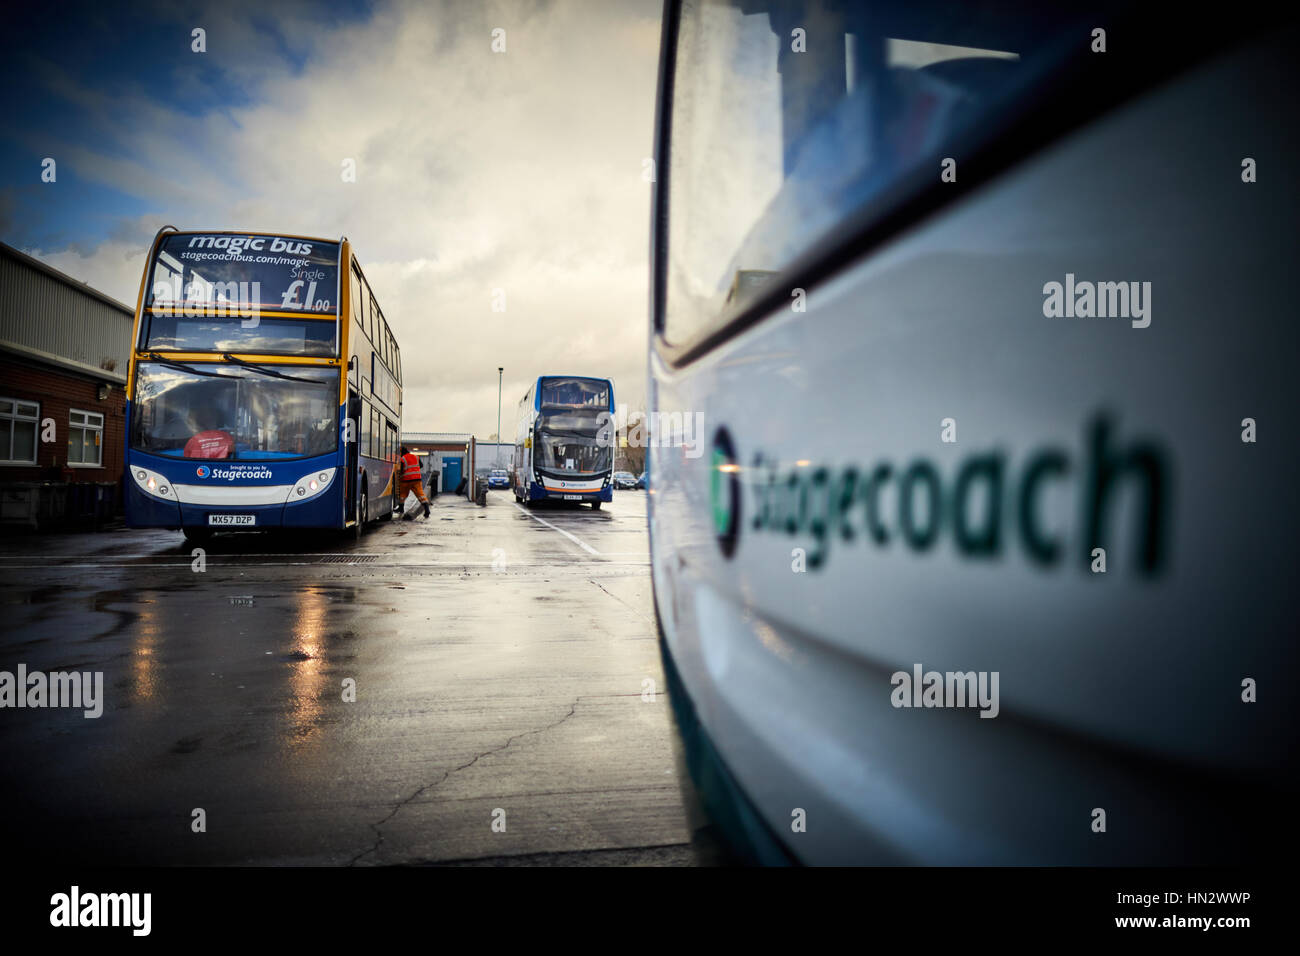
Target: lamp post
point(500, 370)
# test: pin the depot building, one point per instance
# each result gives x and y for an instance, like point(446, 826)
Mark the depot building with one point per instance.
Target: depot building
point(64, 349)
point(447, 453)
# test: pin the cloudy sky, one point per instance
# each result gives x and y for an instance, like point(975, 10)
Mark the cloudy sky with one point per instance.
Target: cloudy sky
point(475, 170)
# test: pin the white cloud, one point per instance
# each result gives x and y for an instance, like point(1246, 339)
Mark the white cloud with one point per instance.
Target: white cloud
point(475, 171)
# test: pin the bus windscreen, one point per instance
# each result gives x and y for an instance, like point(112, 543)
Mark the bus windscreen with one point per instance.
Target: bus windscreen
point(235, 413)
point(574, 439)
point(217, 333)
point(572, 391)
point(194, 273)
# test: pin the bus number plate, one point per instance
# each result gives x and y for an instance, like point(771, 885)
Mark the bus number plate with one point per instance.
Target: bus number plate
point(232, 519)
point(573, 497)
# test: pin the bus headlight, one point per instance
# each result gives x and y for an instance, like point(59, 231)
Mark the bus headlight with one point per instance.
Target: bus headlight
point(154, 484)
point(308, 486)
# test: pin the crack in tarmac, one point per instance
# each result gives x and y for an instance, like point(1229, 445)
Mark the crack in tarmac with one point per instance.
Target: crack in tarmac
point(379, 836)
point(634, 609)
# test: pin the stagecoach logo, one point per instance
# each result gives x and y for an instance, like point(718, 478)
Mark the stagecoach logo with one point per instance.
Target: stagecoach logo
point(991, 503)
point(724, 491)
point(230, 473)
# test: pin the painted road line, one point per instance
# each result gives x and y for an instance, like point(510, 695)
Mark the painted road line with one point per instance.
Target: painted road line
point(578, 541)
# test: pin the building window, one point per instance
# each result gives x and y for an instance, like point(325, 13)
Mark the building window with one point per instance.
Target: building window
point(18, 424)
point(85, 439)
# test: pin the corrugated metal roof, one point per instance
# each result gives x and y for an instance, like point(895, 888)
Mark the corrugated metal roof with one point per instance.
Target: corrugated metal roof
point(46, 314)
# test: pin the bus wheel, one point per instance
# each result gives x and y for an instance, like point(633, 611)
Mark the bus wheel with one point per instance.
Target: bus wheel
point(595, 505)
point(197, 535)
point(363, 511)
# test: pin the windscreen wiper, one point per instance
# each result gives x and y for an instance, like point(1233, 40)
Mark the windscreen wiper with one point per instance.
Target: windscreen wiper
point(155, 357)
point(265, 370)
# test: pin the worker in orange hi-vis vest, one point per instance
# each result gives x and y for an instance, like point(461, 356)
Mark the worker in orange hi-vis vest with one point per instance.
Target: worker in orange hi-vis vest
point(408, 479)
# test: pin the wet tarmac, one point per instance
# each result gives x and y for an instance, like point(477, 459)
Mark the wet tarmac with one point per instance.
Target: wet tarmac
point(501, 660)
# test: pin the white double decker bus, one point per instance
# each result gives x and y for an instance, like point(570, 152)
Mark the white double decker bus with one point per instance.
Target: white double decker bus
point(564, 446)
point(904, 261)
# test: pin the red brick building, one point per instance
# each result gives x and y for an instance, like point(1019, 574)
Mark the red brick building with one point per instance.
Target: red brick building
point(64, 349)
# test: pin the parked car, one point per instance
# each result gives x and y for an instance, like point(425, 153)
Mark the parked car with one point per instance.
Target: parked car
point(623, 480)
point(498, 478)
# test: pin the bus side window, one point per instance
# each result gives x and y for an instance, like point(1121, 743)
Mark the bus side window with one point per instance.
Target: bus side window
point(772, 146)
point(355, 293)
point(363, 307)
point(365, 428)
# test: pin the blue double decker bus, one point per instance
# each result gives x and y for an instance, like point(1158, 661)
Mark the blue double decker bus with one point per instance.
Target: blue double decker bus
point(264, 389)
point(564, 441)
